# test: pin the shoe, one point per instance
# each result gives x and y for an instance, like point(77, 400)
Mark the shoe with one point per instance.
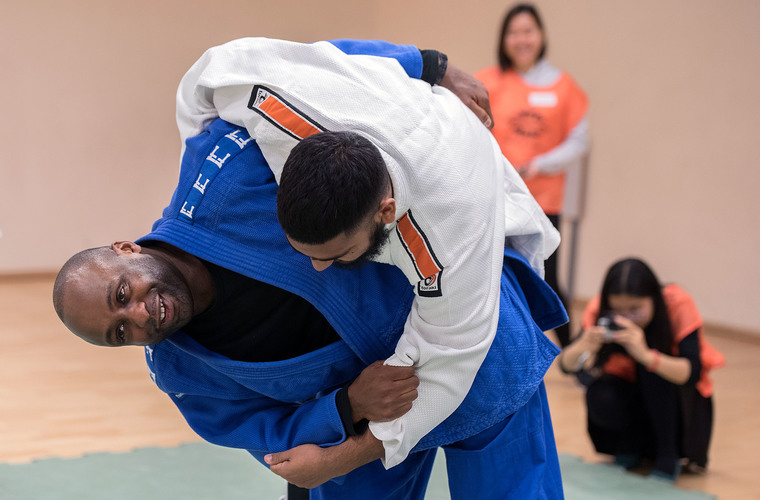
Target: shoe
point(627, 461)
point(692, 467)
point(666, 476)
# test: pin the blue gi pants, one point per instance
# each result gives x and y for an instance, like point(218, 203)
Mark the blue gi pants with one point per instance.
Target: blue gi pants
point(514, 459)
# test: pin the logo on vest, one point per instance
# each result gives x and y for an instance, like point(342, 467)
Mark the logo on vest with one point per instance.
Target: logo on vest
point(430, 286)
point(528, 123)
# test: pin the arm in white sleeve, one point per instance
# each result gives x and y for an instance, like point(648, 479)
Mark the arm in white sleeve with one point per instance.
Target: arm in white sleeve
point(446, 357)
point(226, 66)
point(565, 155)
point(450, 329)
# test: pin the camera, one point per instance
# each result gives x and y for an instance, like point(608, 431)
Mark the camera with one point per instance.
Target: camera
point(608, 322)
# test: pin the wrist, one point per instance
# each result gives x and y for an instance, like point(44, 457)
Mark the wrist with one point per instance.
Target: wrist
point(573, 362)
point(653, 363)
point(352, 453)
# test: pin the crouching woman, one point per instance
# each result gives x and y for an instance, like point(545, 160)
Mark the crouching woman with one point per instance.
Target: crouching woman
point(644, 359)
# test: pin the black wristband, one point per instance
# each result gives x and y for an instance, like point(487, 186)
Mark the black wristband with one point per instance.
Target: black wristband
point(443, 65)
point(434, 65)
point(343, 405)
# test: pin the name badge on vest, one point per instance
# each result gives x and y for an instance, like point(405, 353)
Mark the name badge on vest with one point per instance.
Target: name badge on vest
point(542, 99)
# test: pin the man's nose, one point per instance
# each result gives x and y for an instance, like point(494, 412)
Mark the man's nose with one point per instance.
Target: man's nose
point(138, 313)
point(321, 265)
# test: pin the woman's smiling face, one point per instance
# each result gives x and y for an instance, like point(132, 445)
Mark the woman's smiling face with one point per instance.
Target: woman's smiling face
point(523, 41)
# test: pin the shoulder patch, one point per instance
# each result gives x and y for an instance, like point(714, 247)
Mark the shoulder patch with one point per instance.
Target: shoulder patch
point(417, 246)
point(280, 113)
point(430, 286)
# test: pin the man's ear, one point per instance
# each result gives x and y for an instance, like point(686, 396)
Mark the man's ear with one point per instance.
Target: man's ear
point(125, 247)
point(387, 211)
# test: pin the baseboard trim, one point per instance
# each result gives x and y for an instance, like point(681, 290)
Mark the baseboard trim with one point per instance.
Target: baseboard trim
point(27, 276)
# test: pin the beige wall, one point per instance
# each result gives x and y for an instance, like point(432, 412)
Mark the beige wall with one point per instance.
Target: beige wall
point(90, 149)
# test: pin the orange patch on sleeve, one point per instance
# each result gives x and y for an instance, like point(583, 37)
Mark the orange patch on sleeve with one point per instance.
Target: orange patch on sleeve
point(287, 118)
point(417, 246)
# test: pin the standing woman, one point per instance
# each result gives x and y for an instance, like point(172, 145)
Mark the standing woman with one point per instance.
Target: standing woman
point(540, 118)
point(649, 393)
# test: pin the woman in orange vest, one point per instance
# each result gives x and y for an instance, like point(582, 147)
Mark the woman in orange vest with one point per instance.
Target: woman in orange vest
point(539, 117)
point(646, 364)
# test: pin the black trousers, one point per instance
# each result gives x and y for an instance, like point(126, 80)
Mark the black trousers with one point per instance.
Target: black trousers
point(651, 418)
point(550, 272)
point(296, 493)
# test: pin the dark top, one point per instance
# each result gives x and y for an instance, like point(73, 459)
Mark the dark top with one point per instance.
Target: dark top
point(254, 321)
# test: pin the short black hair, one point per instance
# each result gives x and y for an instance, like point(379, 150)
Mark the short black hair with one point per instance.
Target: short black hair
point(521, 8)
point(73, 265)
point(330, 184)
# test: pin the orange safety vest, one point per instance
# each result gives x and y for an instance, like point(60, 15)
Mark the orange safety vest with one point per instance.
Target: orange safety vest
point(531, 120)
point(684, 319)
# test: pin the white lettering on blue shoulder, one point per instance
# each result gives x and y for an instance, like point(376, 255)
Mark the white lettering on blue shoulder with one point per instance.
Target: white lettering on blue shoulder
point(227, 146)
point(215, 159)
point(240, 141)
point(184, 211)
point(201, 187)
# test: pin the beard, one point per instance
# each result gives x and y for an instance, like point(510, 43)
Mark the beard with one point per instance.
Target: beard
point(377, 241)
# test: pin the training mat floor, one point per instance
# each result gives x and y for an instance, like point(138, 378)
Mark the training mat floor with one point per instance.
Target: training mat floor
point(201, 471)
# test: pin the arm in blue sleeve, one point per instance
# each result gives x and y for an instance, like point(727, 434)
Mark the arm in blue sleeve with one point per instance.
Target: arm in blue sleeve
point(262, 425)
point(408, 56)
point(227, 413)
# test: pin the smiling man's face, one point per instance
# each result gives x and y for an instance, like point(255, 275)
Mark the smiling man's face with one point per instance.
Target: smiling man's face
point(126, 297)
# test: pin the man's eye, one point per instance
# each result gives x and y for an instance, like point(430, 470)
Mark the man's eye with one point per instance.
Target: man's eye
point(121, 294)
point(120, 335)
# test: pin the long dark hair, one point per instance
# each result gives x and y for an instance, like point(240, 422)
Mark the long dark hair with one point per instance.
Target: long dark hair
point(504, 61)
point(632, 276)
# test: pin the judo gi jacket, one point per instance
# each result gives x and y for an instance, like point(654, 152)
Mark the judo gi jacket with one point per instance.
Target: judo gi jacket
point(224, 211)
point(458, 200)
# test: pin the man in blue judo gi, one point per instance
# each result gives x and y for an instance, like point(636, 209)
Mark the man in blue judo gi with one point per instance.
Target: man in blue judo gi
point(215, 264)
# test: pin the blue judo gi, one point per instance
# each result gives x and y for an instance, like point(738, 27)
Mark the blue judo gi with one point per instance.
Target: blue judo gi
point(499, 443)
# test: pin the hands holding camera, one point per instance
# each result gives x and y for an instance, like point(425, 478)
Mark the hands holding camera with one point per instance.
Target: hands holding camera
point(617, 329)
point(623, 331)
point(629, 335)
